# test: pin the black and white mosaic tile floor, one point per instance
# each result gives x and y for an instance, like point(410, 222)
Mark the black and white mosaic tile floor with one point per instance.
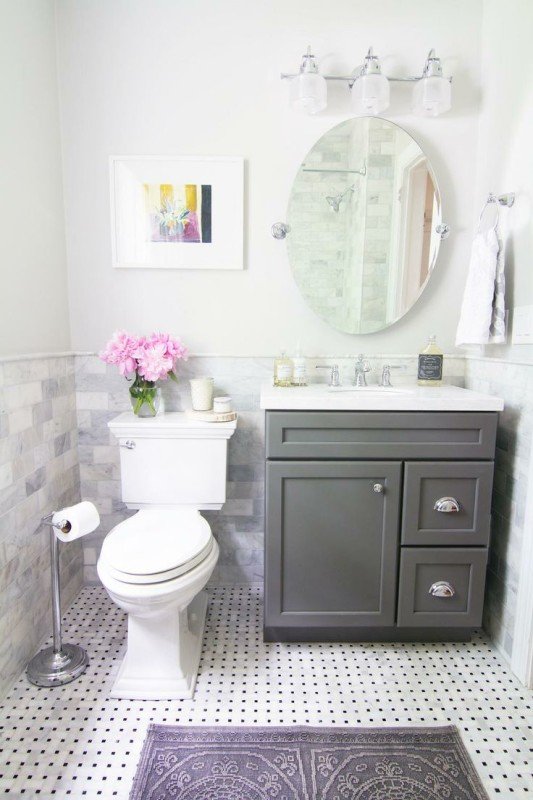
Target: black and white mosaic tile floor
point(76, 742)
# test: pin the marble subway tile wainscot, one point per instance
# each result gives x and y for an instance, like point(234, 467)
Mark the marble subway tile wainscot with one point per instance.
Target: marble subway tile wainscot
point(19, 419)
point(38, 473)
point(514, 383)
point(22, 395)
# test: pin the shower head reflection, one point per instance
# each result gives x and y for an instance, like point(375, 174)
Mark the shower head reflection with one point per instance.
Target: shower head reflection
point(335, 201)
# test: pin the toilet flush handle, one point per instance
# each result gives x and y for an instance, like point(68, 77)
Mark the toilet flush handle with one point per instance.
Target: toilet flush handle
point(129, 443)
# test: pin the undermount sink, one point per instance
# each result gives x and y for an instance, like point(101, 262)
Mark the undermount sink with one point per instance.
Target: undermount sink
point(370, 389)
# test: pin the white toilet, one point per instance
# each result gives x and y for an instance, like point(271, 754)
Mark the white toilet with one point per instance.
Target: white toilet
point(155, 565)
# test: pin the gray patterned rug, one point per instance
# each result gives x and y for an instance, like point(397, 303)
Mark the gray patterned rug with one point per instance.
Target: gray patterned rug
point(252, 763)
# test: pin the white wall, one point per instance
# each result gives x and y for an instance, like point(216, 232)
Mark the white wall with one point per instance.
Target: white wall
point(505, 155)
point(169, 76)
point(33, 289)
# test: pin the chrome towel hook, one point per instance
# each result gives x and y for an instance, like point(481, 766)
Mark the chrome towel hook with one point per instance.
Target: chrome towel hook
point(506, 200)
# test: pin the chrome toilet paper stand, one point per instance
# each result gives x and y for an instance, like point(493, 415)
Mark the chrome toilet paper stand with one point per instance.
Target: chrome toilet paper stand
point(60, 663)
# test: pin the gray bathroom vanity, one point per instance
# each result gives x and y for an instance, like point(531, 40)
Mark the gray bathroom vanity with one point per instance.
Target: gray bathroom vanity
point(377, 512)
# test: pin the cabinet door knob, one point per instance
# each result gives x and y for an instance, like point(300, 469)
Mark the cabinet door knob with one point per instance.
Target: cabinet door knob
point(447, 505)
point(378, 488)
point(129, 443)
point(441, 589)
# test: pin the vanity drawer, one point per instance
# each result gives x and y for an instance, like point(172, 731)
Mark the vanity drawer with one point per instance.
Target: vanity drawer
point(441, 587)
point(380, 434)
point(447, 503)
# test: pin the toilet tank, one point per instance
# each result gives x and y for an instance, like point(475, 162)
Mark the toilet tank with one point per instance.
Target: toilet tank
point(172, 460)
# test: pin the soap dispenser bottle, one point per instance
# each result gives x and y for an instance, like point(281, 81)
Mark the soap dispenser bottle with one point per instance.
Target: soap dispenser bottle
point(299, 369)
point(283, 370)
point(430, 364)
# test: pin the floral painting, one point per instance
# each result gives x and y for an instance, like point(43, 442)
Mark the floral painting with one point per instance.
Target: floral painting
point(178, 213)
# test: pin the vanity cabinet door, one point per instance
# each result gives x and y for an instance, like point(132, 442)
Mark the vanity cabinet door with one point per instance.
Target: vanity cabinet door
point(331, 544)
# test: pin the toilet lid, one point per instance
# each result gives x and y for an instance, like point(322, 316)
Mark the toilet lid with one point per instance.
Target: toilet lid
point(156, 545)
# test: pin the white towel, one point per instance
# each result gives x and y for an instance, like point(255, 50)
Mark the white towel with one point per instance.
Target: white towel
point(482, 319)
point(497, 323)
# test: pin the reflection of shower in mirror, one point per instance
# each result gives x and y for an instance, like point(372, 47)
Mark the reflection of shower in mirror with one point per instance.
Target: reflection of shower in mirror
point(336, 200)
point(363, 213)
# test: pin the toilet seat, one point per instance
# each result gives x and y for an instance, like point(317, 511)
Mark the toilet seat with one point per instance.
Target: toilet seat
point(155, 546)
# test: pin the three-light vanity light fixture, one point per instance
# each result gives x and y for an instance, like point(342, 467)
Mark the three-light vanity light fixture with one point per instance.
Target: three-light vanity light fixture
point(370, 88)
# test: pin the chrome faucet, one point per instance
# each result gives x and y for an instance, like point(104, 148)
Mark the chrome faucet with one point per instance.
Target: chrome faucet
point(361, 368)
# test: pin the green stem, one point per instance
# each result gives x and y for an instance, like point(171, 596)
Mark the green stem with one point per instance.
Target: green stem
point(149, 400)
point(143, 392)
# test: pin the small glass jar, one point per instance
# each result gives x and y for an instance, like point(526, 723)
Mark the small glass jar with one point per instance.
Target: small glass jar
point(299, 371)
point(222, 405)
point(283, 370)
point(145, 398)
point(430, 362)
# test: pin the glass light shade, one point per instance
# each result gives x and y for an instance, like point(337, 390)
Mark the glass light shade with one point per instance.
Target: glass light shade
point(432, 96)
point(370, 94)
point(308, 93)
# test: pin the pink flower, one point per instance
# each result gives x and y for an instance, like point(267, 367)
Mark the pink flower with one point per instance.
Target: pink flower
point(152, 358)
point(154, 362)
point(173, 347)
point(120, 350)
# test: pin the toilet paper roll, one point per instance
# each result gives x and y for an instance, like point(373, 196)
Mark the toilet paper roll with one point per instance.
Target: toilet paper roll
point(81, 519)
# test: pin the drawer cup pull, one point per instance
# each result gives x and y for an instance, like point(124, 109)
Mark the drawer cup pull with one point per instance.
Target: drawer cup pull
point(441, 589)
point(447, 505)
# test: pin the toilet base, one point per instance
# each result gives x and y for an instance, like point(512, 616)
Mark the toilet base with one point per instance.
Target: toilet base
point(177, 667)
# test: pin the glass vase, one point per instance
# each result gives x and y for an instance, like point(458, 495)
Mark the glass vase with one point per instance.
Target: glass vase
point(145, 397)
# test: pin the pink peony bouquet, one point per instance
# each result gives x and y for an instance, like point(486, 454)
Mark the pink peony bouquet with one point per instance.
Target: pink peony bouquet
point(144, 361)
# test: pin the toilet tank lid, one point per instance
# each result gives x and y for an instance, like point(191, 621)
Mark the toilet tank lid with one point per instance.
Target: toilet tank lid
point(170, 425)
point(155, 541)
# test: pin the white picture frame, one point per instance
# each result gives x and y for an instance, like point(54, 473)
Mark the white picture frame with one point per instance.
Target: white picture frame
point(177, 212)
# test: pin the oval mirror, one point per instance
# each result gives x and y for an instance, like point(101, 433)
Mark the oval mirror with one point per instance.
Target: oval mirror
point(363, 213)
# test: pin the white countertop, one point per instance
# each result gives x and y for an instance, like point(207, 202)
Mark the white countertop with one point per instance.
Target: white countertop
point(320, 397)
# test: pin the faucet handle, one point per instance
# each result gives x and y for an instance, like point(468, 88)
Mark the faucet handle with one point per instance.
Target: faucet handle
point(385, 375)
point(334, 378)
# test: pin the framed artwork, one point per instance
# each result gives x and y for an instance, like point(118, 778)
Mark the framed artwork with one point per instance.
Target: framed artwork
point(177, 212)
